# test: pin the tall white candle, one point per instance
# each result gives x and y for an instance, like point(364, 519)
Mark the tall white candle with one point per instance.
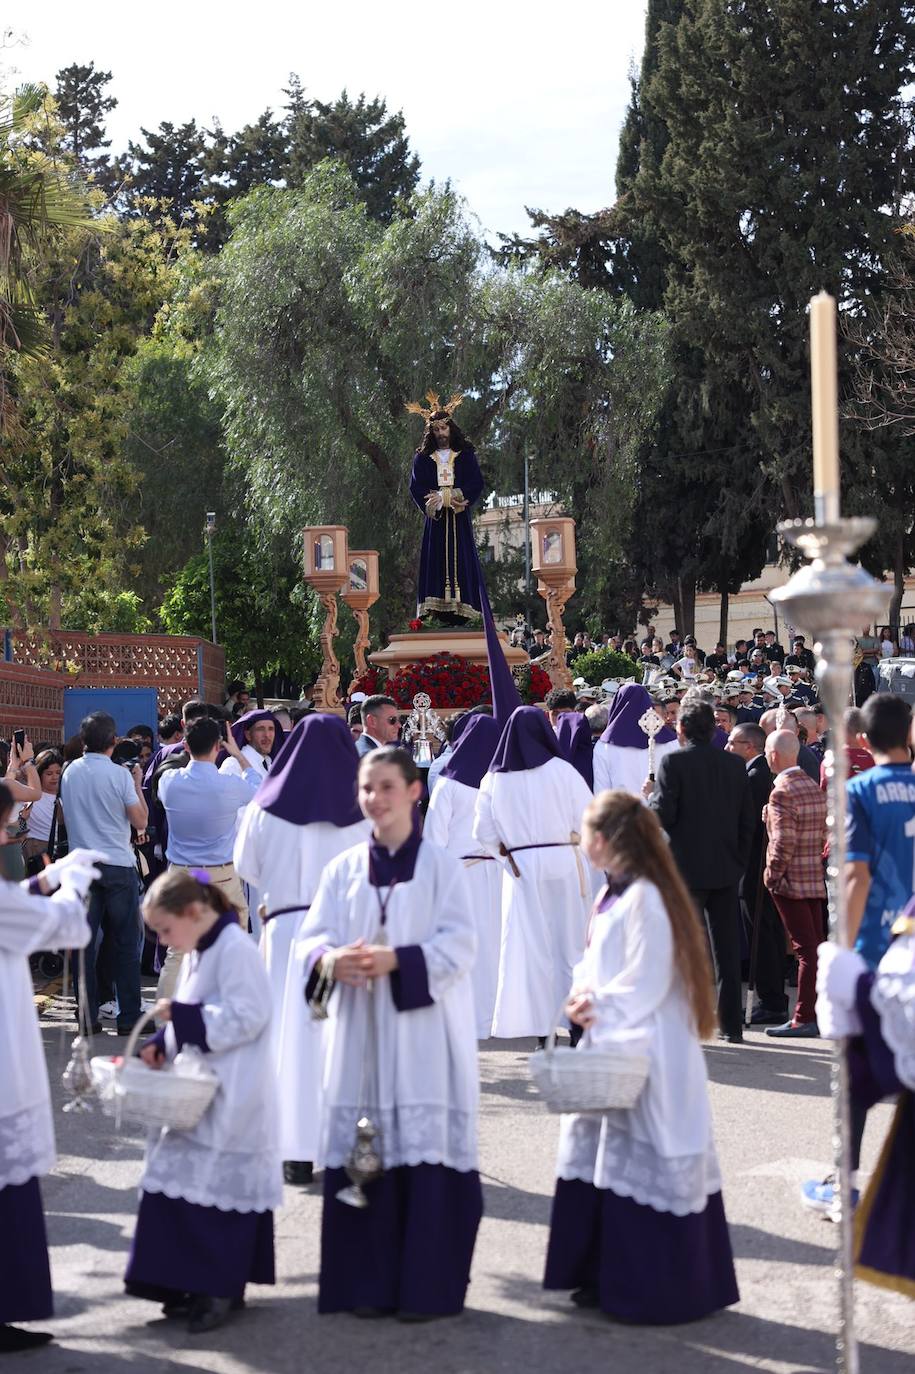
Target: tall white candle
point(825, 403)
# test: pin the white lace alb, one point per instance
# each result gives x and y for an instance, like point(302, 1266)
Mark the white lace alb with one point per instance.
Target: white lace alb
point(417, 1134)
point(599, 1149)
point(26, 1145)
point(234, 1182)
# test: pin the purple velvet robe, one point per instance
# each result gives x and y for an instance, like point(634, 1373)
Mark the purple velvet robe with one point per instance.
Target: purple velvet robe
point(450, 577)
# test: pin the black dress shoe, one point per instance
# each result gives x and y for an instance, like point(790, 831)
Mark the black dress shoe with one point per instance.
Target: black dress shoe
point(206, 1314)
point(125, 1027)
point(178, 1307)
point(731, 1037)
point(298, 1171)
point(768, 1016)
point(13, 1338)
point(585, 1297)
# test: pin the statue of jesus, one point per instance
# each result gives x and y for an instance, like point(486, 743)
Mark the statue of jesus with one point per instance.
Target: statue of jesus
point(445, 482)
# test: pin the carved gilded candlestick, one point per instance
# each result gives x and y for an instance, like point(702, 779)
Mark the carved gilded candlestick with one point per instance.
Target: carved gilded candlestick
point(327, 572)
point(361, 593)
point(553, 550)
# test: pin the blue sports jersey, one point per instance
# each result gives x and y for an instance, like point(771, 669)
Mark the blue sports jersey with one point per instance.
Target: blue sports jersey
point(881, 833)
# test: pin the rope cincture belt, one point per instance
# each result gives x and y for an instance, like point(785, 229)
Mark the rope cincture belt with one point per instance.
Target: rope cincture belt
point(469, 859)
point(266, 916)
point(573, 842)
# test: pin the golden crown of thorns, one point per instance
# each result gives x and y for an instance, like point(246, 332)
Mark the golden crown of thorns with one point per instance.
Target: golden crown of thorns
point(435, 406)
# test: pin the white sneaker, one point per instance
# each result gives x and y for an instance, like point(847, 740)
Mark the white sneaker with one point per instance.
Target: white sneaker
point(110, 1010)
point(146, 1006)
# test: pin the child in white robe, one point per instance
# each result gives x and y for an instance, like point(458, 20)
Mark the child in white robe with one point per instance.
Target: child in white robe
point(449, 823)
point(638, 1226)
point(392, 926)
point(304, 814)
point(30, 920)
point(205, 1224)
point(528, 816)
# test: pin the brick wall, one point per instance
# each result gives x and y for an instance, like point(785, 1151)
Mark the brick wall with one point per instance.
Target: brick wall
point(32, 699)
point(173, 664)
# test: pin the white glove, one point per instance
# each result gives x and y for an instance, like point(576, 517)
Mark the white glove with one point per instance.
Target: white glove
point(77, 858)
point(838, 971)
point(76, 880)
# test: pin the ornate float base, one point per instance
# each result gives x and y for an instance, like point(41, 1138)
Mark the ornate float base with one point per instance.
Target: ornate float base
point(469, 644)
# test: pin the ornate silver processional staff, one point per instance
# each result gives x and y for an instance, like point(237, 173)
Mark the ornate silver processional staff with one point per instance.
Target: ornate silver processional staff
point(651, 724)
point(833, 598)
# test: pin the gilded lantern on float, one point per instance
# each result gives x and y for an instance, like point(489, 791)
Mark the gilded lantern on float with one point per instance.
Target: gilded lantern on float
point(553, 549)
point(553, 561)
point(361, 592)
point(326, 557)
point(327, 571)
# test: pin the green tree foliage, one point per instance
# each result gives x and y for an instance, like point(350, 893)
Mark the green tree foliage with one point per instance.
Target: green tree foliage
point(68, 493)
point(328, 321)
point(260, 617)
point(371, 143)
point(600, 664)
point(787, 147)
point(82, 105)
point(37, 205)
point(167, 176)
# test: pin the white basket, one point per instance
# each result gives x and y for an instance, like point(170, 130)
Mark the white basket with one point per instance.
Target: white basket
point(592, 1078)
point(177, 1095)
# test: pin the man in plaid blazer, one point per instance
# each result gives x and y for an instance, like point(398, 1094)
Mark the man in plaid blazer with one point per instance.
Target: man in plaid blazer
point(796, 823)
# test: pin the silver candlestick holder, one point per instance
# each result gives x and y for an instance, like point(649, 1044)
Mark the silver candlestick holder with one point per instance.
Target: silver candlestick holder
point(421, 727)
point(832, 599)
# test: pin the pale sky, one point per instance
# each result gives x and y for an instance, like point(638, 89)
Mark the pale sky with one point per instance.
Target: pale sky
point(513, 109)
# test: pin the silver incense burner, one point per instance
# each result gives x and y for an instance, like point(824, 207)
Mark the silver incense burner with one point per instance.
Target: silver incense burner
point(422, 726)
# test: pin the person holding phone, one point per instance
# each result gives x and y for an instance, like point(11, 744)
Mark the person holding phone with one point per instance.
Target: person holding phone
point(21, 776)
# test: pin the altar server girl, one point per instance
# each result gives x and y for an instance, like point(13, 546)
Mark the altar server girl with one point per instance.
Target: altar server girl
point(205, 1225)
point(638, 1226)
point(305, 812)
point(392, 925)
point(621, 753)
point(449, 823)
point(528, 815)
point(29, 923)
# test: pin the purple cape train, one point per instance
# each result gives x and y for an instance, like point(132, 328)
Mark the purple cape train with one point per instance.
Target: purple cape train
point(623, 729)
point(450, 577)
point(527, 741)
point(313, 777)
point(471, 756)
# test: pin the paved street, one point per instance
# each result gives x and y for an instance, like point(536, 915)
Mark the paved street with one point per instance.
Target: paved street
point(772, 1114)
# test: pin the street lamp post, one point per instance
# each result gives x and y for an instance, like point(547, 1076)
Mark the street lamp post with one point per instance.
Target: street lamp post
point(210, 530)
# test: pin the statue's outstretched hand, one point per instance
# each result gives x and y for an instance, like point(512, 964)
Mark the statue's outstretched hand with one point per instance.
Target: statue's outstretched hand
point(434, 503)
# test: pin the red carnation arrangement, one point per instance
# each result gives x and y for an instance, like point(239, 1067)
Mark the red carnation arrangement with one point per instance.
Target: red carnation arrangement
point(370, 682)
point(449, 680)
point(416, 626)
point(532, 682)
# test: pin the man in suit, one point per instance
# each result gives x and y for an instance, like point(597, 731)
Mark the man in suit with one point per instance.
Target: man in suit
point(380, 724)
point(748, 742)
point(702, 799)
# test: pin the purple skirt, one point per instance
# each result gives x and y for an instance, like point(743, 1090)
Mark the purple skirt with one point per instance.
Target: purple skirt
point(409, 1250)
point(25, 1274)
point(179, 1247)
point(649, 1267)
